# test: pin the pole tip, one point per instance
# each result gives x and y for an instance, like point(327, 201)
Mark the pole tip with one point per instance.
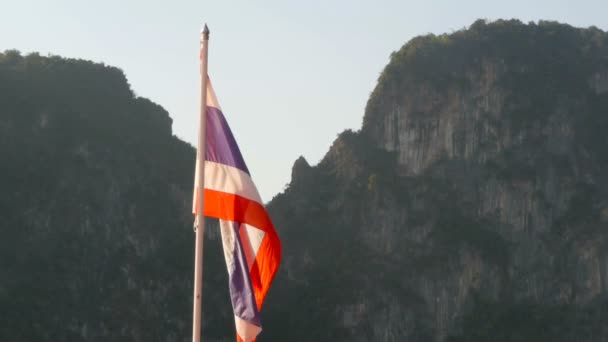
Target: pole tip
point(205, 32)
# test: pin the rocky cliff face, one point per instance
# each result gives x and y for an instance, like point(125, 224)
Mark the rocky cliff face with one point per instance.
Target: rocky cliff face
point(472, 204)
point(95, 224)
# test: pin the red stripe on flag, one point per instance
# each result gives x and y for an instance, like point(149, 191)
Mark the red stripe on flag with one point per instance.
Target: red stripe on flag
point(231, 207)
point(265, 266)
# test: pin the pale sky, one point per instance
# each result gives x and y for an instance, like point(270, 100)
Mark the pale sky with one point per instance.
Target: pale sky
point(290, 75)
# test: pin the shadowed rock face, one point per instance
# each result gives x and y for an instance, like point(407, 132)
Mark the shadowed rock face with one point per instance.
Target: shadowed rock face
point(473, 196)
point(95, 223)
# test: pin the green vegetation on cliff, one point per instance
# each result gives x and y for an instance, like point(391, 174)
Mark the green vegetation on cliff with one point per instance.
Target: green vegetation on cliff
point(545, 61)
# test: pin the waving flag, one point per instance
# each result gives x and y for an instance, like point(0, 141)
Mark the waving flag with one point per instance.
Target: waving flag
point(251, 246)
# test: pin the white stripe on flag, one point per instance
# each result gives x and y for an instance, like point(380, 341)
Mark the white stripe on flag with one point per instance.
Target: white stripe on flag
point(224, 178)
point(246, 330)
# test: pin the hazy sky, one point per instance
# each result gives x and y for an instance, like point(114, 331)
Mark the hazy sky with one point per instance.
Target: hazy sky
point(290, 75)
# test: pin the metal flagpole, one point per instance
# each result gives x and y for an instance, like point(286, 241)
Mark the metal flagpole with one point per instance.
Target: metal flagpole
point(200, 220)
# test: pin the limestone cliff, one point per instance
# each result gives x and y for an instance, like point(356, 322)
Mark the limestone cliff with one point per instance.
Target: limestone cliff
point(96, 234)
point(472, 204)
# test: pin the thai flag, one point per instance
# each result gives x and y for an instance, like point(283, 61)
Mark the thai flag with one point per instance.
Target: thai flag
point(251, 245)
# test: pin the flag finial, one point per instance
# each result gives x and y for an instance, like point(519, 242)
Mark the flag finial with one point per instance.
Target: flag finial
point(205, 32)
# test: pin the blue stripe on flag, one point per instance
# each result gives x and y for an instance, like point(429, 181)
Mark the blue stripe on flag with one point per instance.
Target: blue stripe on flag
point(241, 291)
point(221, 145)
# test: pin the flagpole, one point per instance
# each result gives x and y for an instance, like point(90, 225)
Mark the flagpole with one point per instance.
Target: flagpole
point(200, 221)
